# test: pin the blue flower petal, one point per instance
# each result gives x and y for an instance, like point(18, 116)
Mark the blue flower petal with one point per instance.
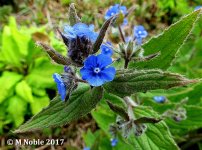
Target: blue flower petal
point(69, 32)
point(159, 99)
point(197, 8)
point(95, 80)
point(125, 22)
point(90, 62)
point(86, 148)
point(140, 33)
point(108, 74)
point(106, 49)
point(80, 26)
point(123, 9)
point(91, 27)
point(116, 9)
point(60, 85)
point(103, 60)
point(86, 73)
point(114, 142)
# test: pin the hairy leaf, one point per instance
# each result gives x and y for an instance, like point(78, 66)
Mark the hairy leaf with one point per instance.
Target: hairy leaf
point(118, 110)
point(103, 30)
point(128, 82)
point(58, 113)
point(168, 43)
point(157, 136)
point(54, 55)
point(73, 18)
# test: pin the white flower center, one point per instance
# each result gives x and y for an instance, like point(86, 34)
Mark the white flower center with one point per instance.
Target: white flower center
point(139, 32)
point(96, 70)
point(106, 49)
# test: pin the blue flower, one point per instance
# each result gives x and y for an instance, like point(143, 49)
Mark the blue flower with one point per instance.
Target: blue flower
point(80, 30)
point(106, 49)
point(114, 142)
point(60, 85)
point(116, 9)
point(159, 99)
point(197, 7)
point(139, 34)
point(86, 148)
point(95, 70)
point(79, 39)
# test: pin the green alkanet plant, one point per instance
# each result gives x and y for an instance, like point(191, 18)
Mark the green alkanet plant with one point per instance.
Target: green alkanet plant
point(144, 69)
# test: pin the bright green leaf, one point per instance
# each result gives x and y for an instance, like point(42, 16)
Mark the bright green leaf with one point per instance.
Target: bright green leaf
point(39, 103)
point(7, 81)
point(17, 108)
point(41, 74)
point(24, 90)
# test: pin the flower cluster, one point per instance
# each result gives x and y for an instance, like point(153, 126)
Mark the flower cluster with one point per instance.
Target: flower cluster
point(139, 34)
point(107, 49)
point(117, 9)
point(80, 39)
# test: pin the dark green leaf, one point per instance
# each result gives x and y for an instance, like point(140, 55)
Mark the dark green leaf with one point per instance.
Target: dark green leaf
point(128, 82)
point(103, 30)
point(58, 113)
point(118, 110)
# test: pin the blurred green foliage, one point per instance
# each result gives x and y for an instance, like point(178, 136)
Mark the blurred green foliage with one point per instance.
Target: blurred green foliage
point(25, 74)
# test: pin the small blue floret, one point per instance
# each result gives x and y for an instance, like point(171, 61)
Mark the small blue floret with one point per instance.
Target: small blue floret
point(80, 30)
point(106, 49)
point(114, 142)
point(60, 85)
point(116, 9)
point(159, 99)
point(139, 34)
point(197, 7)
point(96, 70)
point(86, 148)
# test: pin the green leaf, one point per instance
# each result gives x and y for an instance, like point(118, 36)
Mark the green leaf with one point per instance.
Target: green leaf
point(168, 43)
point(193, 121)
point(39, 103)
point(40, 75)
point(128, 82)
point(103, 30)
point(157, 136)
point(10, 52)
point(24, 90)
point(17, 108)
point(7, 81)
point(73, 18)
point(58, 113)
